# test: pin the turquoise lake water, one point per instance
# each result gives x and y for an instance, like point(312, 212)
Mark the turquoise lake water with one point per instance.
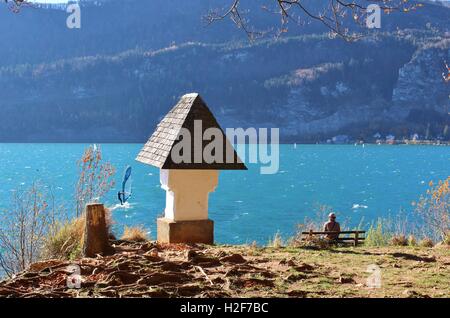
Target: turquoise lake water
point(358, 182)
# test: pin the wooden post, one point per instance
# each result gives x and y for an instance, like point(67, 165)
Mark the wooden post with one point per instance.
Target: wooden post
point(96, 232)
point(356, 238)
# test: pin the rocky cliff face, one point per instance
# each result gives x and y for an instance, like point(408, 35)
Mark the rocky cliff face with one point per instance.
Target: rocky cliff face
point(420, 84)
point(416, 99)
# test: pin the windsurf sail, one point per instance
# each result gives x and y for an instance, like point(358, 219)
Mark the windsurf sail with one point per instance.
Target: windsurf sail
point(446, 75)
point(124, 195)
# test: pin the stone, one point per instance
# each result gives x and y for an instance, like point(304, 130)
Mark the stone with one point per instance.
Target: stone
point(154, 252)
point(199, 231)
point(346, 279)
point(190, 254)
point(295, 277)
point(234, 259)
point(413, 294)
point(187, 193)
point(303, 267)
point(297, 293)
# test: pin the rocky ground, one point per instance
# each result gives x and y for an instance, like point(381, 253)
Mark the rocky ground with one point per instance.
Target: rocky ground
point(154, 270)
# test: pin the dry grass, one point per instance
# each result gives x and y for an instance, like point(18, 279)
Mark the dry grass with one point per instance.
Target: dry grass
point(276, 241)
point(447, 239)
point(134, 234)
point(399, 240)
point(412, 240)
point(65, 240)
point(426, 242)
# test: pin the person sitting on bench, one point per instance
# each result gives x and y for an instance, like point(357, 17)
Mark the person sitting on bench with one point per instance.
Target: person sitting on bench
point(332, 226)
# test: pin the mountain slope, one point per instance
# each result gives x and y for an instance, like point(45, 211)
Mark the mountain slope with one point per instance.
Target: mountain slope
point(309, 85)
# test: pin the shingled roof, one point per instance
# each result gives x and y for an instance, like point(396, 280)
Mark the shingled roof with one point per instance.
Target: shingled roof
point(191, 107)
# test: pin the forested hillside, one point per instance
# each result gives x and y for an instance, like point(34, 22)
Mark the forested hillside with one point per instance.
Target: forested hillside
point(113, 79)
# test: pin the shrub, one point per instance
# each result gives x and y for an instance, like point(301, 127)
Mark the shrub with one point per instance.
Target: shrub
point(426, 242)
point(254, 245)
point(95, 178)
point(316, 242)
point(434, 209)
point(23, 228)
point(65, 240)
point(377, 235)
point(412, 240)
point(134, 234)
point(276, 242)
point(399, 240)
point(447, 239)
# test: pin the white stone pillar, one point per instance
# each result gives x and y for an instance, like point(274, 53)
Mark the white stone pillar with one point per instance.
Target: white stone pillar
point(186, 212)
point(187, 193)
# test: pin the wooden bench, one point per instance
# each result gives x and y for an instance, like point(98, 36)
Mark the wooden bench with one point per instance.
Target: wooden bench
point(355, 237)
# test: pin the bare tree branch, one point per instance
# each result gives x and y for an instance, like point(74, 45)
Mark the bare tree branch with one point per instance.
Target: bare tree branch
point(333, 16)
point(15, 5)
